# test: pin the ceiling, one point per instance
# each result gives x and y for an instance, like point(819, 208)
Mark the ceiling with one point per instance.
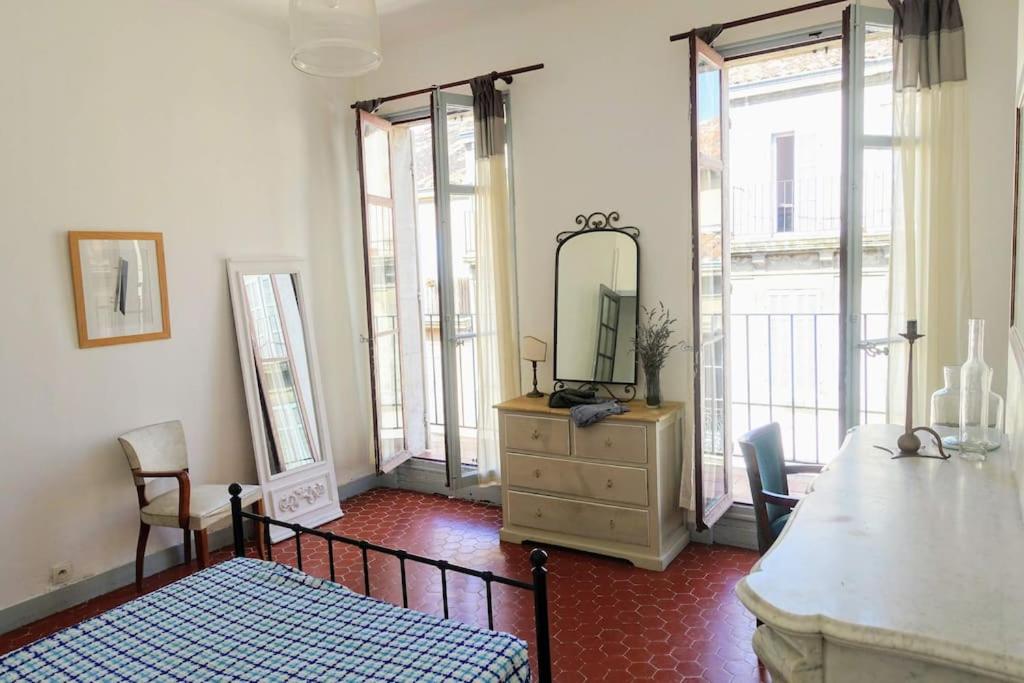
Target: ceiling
point(277, 10)
point(400, 19)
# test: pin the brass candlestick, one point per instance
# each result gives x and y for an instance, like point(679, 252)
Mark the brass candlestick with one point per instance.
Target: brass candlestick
point(909, 442)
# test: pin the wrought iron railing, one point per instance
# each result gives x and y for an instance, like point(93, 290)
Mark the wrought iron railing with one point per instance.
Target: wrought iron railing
point(808, 206)
point(389, 371)
point(785, 368)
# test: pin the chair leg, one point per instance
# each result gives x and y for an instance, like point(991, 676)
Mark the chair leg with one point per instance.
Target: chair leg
point(257, 507)
point(140, 555)
point(202, 549)
point(188, 546)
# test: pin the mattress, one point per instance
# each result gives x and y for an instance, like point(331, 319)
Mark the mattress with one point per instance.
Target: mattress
point(250, 620)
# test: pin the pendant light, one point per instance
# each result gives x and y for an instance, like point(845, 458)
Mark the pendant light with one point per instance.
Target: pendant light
point(335, 38)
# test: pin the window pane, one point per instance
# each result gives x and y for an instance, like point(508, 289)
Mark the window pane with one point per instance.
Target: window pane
point(376, 161)
point(384, 303)
point(709, 108)
point(463, 251)
point(712, 338)
point(878, 81)
point(461, 148)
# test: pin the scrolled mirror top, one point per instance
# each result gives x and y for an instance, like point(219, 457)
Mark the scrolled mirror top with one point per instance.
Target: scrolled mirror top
point(598, 220)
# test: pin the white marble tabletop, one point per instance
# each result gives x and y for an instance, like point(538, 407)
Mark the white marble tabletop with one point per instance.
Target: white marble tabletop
point(919, 556)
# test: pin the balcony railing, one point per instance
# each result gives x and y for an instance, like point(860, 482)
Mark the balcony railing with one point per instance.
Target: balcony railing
point(806, 206)
point(785, 369)
point(389, 372)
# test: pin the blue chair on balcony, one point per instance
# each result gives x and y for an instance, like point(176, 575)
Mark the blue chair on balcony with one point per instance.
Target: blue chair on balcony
point(767, 472)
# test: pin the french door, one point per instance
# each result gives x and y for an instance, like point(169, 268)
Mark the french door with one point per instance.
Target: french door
point(867, 154)
point(855, 350)
point(454, 183)
point(418, 186)
point(381, 269)
point(709, 103)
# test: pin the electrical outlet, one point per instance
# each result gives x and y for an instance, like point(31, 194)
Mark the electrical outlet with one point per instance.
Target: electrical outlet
point(60, 573)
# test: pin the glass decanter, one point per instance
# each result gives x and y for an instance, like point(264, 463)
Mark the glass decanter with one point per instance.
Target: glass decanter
point(975, 387)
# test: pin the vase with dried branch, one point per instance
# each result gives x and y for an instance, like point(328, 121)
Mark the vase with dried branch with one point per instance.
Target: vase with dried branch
point(652, 345)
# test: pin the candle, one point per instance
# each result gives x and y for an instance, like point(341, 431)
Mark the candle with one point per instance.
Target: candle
point(911, 328)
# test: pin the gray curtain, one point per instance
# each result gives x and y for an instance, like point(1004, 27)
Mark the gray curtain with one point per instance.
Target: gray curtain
point(930, 47)
point(489, 117)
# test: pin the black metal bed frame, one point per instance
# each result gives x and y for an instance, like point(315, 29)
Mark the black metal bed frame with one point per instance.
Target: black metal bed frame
point(538, 560)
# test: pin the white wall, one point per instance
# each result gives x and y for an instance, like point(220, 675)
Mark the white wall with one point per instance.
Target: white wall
point(174, 116)
point(992, 76)
point(604, 126)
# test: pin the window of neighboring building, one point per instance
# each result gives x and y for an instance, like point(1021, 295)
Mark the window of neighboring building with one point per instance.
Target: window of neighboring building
point(785, 175)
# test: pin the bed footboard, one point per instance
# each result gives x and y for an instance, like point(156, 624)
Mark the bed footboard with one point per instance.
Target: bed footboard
point(538, 560)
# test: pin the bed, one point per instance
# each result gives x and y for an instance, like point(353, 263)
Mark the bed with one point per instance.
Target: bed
point(250, 619)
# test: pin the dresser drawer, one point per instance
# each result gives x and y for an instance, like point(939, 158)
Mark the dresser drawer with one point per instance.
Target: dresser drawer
point(537, 434)
point(606, 441)
point(591, 520)
point(589, 480)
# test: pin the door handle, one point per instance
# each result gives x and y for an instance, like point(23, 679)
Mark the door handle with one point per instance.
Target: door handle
point(878, 347)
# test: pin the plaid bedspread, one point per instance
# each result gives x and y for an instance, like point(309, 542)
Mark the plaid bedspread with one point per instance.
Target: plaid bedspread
point(249, 620)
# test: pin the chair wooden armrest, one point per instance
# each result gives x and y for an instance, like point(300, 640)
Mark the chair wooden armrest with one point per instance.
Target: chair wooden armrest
point(184, 491)
point(779, 499)
point(804, 469)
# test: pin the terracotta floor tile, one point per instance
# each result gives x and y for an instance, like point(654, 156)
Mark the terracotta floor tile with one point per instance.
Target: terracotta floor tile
point(609, 620)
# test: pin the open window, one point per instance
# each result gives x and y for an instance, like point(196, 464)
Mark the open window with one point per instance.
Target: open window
point(802, 279)
point(418, 176)
point(709, 103)
point(386, 296)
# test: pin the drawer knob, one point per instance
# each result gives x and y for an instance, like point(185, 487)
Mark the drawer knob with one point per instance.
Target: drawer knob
point(611, 523)
point(535, 434)
point(608, 443)
point(536, 473)
point(538, 514)
point(610, 483)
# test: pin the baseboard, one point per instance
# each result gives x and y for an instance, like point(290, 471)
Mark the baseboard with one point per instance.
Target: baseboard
point(364, 484)
point(76, 593)
point(736, 528)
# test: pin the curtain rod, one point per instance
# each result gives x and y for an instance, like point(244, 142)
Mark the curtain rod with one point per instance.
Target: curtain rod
point(767, 15)
point(503, 75)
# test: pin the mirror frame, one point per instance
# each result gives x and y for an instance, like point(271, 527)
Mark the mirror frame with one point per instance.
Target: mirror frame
point(588, 224)
point(308, 494)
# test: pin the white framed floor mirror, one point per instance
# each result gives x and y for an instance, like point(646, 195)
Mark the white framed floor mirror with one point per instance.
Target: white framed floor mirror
point(281, 377)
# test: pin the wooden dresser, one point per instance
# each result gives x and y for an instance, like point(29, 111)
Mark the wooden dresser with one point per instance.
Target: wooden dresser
point(610, 488)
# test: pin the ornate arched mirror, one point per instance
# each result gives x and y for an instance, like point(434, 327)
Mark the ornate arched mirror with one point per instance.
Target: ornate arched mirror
point(597, 289)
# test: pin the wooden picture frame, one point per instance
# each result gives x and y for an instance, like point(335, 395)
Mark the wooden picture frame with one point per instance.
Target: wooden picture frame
point(102, 301)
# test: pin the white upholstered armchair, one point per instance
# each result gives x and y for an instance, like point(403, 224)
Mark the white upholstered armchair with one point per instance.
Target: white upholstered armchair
point(159, 451)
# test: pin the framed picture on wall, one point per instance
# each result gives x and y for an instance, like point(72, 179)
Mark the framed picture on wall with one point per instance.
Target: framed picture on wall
point(1017, 270)
point(120, 285)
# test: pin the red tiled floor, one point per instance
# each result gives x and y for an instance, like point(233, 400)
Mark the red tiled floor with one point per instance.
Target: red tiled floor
point(609, 620)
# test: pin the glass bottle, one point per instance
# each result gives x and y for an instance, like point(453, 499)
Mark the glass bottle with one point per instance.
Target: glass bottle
point(975, 387)
point(946, 401)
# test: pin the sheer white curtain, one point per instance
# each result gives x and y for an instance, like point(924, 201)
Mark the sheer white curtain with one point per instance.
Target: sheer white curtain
point(497, 350)
point(930, 263)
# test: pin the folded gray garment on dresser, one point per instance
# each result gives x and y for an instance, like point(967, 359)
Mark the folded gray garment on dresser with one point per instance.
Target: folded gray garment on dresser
point(586, 415)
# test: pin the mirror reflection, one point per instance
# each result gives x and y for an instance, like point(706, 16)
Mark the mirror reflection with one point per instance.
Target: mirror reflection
point(278, 346)
point(596, 308)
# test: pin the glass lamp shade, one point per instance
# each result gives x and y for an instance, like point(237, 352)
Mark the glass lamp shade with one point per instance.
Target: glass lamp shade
point(335, 38)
